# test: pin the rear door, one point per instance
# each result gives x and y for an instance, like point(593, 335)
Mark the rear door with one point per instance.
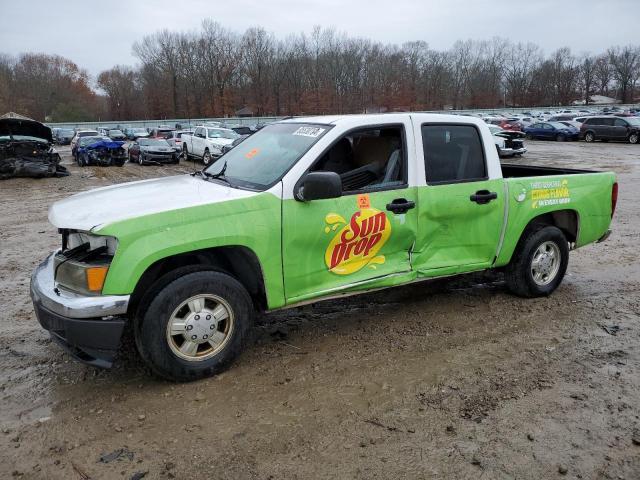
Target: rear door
point(605, 128)
point(461, 206)
point(620, 129)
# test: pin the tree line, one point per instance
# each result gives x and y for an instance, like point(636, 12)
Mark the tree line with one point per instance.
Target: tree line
point(215, 72)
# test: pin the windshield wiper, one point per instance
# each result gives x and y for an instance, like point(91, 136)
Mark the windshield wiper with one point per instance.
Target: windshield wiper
point(220, 174)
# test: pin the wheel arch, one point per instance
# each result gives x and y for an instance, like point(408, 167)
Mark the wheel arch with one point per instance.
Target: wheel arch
point(567, 220)
point(238, 261)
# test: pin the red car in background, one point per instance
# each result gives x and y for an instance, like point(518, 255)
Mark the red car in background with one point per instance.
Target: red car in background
point(163, 133)
point(510, 124)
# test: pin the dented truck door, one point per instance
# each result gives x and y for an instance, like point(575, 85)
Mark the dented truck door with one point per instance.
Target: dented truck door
point(362, 239)
point(462, 202)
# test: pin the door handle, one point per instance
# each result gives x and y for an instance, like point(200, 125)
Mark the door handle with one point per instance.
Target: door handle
point(400, 205)
point(482, 197)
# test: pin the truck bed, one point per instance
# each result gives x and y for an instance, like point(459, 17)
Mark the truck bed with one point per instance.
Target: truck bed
point(510, 170)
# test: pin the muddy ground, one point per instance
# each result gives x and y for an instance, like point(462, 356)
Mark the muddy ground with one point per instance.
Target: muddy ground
point(449, 379)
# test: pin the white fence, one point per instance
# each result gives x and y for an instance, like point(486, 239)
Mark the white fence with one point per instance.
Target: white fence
point(191, 122)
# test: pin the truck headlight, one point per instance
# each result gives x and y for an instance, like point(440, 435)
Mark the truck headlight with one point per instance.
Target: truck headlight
point(82, 264)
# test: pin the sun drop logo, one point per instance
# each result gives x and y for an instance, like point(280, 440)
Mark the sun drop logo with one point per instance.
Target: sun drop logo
point(357, 243)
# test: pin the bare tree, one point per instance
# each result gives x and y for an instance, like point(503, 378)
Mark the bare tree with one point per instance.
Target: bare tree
point(625, 62)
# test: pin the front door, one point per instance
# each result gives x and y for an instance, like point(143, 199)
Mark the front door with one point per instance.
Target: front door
point(461, 209)
point(362, 239)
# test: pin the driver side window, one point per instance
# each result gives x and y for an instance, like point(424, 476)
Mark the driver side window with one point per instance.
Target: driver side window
point(367, 159)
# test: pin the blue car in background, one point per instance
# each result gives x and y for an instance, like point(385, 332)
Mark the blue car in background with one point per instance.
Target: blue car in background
point(551, 131)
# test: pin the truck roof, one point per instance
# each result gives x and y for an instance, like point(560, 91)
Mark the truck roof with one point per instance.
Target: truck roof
point(384, 117)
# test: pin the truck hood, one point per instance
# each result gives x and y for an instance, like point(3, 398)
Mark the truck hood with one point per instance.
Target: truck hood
point(102, 206)
point(222, 141)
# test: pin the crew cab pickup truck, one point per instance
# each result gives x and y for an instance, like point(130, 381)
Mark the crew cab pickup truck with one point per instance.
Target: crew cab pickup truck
point(206, 142)
point(303, 210)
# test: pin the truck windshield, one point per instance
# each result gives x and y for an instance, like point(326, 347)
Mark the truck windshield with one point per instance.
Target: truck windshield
point(265, 156)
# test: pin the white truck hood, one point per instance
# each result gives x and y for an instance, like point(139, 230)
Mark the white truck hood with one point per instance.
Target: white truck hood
point(101, 206)
point(221, 141)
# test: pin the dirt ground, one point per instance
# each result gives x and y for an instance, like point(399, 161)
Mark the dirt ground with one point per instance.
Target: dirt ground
point(448, 379)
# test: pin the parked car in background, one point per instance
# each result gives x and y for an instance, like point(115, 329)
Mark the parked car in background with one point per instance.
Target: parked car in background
point(550, 131)
point(561, 117)
point(505, 123)
point(152, 150)
point(572, 124)
point(135, 133)
point(26, 150)
point(116, 134)
point(80, 134)
point(207, 142)
point(63, 136)
point(611, 128)
point(509, 143)
point(175, 140)
point(100, 150)
point(235, 143)
point(162, 132)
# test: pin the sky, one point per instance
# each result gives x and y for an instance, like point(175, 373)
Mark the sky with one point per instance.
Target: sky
point(98, 35)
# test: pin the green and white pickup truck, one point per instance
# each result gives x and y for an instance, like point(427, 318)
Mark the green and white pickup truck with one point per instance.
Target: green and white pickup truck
point(306, 209)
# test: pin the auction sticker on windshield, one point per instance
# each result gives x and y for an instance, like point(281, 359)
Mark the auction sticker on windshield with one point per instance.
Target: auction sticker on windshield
point(309, 131)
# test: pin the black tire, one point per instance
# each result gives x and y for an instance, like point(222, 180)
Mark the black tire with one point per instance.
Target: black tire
point(589, 137)
point(140, 159)
point(206, 157)
point(79, 161)
point(518, 274)
point(151, 337)
point(528, 136)
point(560, 138)
point(185, 152)
point(634, 138)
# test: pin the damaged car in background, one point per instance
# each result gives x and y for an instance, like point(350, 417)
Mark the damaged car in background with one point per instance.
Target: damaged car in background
point(509, 143)
point(100, 151)
point(26, 150)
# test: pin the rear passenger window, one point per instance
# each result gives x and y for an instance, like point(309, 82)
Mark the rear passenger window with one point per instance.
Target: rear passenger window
point(619, 123)
point(453, 153)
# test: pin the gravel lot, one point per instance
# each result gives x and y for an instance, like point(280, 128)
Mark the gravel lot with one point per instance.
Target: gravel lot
point(448, 379)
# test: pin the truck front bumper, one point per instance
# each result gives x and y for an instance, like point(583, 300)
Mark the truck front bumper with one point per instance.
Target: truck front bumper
point(88, 327)
point(511, 152)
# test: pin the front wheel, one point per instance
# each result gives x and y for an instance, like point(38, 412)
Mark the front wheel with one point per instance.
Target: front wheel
point(206, 158)
point(539, 263)
point(560, 138)
point(633, 138)
point(195, 326)
point(140, 159)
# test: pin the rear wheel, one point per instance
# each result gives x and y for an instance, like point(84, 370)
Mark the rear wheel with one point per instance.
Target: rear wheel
point(589, 137)
point(539, 262)
point(185, 152)
point(560, 138)
point(528, 136)
point(195, 326)
point(633, 138)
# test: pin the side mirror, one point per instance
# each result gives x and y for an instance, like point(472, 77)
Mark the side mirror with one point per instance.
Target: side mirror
point(319, 185)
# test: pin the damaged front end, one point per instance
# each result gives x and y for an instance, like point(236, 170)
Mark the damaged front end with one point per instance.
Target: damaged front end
point(104, 153)
point(26, 150)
